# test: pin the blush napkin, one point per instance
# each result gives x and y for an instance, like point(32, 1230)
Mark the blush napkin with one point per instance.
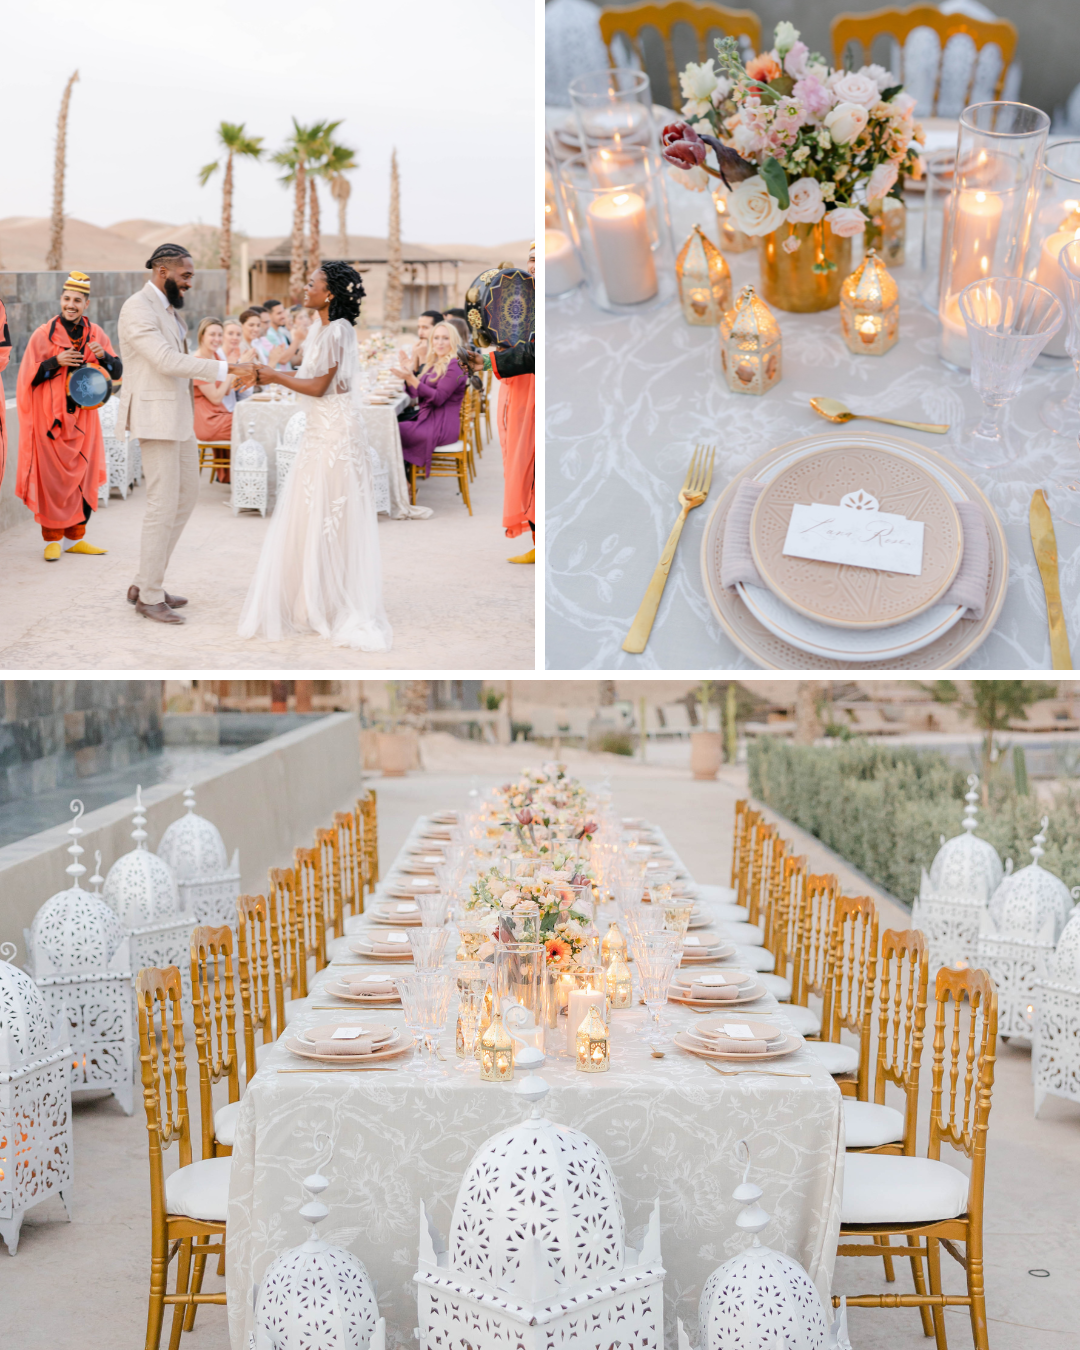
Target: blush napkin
point(968, 587)
point(359, 1045)
point(369, 986)
point(714, 993)
point(730, 1046)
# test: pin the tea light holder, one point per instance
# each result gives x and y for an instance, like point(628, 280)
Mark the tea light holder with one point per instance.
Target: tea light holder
point(613, 945)
point(870, 308)
point(750, 345)
point(704, 281)
point(496, 1052)
point(620, 984)
point(593, 1047)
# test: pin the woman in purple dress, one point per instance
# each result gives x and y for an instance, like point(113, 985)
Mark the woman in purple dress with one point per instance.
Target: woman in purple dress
point(438, 389)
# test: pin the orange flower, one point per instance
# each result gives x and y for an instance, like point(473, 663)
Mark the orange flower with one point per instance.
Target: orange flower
point(763, 68)
point(557, 950)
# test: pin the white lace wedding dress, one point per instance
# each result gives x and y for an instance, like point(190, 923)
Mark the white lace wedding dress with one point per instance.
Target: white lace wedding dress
point(320, 569)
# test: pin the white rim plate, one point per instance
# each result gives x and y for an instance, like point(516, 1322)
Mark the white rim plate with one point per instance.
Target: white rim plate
point(684, 1042)
point(340, 990)
point(399, 1046)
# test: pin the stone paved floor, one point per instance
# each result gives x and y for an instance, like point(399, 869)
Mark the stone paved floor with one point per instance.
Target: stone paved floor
point(85, 1283)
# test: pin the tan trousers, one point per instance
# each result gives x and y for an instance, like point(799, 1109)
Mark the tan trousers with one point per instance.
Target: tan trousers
point(171, 470)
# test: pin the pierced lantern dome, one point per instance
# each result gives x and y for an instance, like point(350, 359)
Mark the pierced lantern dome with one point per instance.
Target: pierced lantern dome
point(571, 1205)
point(1032, 897)
point(966, 869)
point(140, 887)
point(74, 929)
point(761, 1297)
point(1064, 965)
point(192, 846)
point(316, 1296)
point(24, 1019)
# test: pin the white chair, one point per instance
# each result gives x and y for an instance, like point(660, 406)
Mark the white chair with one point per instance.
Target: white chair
point(289, 448)
point(248, 476)
point(123, 463)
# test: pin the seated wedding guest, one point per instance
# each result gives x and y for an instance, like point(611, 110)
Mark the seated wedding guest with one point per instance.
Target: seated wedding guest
point(438, 390)
point(215, 400)
point(257, 348)
point(424, 324)
point(232, 341)
point(277, 334)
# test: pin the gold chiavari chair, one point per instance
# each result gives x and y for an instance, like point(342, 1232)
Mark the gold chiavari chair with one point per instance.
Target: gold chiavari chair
point(369, 809)
point(213, 1002)
point(663, 19)
point(738, 840)
point(253, 970)
point(326, 843)
point(862, 29)
point(848, 1000)
point(888, 1196)
point(786, 937)
point(811, 959)
point(452, 461)
point(288, 942)
point(311, 906)
point(475, 424)
point(190, 1204)
point(488, 380)
point(351, 862)
point(740, 876)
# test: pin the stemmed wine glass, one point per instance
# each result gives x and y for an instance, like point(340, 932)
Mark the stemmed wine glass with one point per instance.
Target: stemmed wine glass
point(411, 994)
point(1009, 321)
point(437, 987)
point(658, 956)
point(473, 978)
point(428, 945)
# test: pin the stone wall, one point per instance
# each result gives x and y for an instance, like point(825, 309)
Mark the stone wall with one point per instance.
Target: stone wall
point(31, 298)
point(54, 732)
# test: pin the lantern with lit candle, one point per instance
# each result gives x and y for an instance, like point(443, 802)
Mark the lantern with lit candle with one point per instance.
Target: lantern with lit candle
point(870, 308)
point(704, 281)
point(593, 1051)
point(496, 1052)
point(620, 984)
point(614, 944)
point(750, 345)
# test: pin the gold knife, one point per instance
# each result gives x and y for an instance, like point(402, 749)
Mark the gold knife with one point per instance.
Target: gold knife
point(1045, 545)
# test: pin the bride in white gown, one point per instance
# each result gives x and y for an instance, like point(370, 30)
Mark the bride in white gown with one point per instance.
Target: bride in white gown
point(320, 570)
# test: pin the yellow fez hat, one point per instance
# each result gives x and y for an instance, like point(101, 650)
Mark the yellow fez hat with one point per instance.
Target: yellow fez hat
point(78, 281)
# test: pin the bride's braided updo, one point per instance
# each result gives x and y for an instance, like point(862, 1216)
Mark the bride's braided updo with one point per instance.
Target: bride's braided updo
point(346, 290)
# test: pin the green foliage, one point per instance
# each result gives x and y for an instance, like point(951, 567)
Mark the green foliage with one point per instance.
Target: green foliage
point(1020, 771)
point(617, 742)
point(492, 699)
point(884, 808)
point(776, 181)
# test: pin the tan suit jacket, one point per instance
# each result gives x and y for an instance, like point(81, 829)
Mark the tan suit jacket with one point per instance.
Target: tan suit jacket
point(156, 402)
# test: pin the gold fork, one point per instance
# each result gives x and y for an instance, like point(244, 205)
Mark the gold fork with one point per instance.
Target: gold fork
point(693, 492)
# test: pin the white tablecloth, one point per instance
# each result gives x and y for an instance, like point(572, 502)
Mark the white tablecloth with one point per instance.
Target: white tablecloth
point(629, 398)
point(669, 1128)
point(266, 422)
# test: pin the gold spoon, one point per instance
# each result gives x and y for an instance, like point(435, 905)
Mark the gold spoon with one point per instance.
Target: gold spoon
point(835, 411)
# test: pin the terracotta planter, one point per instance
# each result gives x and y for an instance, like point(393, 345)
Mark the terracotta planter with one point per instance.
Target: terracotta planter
point(397, 752)
point(810, 278)
point(706, 753)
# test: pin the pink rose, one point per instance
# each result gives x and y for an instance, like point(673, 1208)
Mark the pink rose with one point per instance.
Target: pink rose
point(846, 121)
point(813, 95)
point(860, 89)
point(791, 244)
point(807, 204)
point(795, 61)
point(846, 222)
point(882, 180)
point(903, 105)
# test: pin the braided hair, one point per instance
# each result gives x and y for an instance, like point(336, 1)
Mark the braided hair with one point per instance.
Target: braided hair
point(346, 290)
point(165, 251)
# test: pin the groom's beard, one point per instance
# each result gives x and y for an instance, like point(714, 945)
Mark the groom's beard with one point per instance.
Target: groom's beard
point(173, 294)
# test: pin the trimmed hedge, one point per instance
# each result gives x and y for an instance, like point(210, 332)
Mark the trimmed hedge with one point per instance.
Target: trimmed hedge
point(884, 808)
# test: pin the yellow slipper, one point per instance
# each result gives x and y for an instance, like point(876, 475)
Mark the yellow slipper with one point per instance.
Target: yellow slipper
point(53, 550)
point(529, 557)
point(81, 546)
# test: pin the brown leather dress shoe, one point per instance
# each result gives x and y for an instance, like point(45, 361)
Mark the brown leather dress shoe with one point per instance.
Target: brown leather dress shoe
point(160, 612)
point(173, 601)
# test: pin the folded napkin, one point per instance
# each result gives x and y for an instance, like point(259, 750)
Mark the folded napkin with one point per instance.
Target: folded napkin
point(391, 948)
point(968, 587)
point(730, 1046)
point(371, 984)
point(715, 993)
point(358, 1045)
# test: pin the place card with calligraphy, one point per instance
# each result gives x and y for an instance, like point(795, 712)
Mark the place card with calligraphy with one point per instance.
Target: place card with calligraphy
point(855, 533)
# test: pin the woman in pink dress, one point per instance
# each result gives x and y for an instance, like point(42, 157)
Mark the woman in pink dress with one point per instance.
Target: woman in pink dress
point(439, 390)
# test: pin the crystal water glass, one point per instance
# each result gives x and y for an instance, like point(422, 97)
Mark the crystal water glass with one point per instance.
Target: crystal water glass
point(473, 978)
point(428, 945)
point(677, 916)
point(641, 920)
point(1009, 321)
point(411, 994)
point(436, 989)
point(432, 906)
point(658, 956)
point(1062, 415)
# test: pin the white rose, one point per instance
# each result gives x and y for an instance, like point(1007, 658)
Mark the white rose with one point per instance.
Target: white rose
point(785, 37)
point(852, 88)
point(884, 79)
point(846, 121)
point(698, 84)
point(903, 105)
point(807, 204)
point(497, 888)
point(846, 222)
point(753, 210)
point(882, 180)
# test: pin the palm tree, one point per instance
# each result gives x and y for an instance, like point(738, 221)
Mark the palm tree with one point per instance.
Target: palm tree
point(340, 161)
point(320, 153)
point(53, 262)
point(306, 145)
point(392, 303)
point(235, 142)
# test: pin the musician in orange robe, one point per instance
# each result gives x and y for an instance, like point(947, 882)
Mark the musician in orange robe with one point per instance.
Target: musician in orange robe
point(61, 452)
point(5, 357)
point(514, 368)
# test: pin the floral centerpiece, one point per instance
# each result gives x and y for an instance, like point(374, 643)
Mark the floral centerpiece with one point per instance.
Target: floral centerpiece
point(376, 348)
point(801, 147)
point(563, 929)
point(543, 805)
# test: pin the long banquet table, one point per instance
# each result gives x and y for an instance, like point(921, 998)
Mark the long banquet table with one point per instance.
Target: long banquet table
point(629, 398)
point(668, 1126)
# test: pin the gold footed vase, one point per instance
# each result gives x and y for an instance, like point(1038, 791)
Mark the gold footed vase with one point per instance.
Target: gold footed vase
point(807, 278)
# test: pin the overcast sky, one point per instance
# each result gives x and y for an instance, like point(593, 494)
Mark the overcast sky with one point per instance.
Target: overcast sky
point(450, 84)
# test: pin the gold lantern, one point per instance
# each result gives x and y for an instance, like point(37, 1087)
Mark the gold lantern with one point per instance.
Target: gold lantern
point(593, 1053)
point(486, 1010)
point(614, 944)
point(732, 239)
point(750, 345)
point(704, 281)
point(620, 984)
point(870, 308)
point(496, 1052)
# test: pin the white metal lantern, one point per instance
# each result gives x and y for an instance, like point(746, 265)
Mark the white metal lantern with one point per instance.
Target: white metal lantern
point(79, 957)
point(248, 472)
point(207, 883)
point(317, 1296)
point(1055, 1029)
point(953, 898)
point(542, 1264)
point(760, 1298)
point(35, 1101)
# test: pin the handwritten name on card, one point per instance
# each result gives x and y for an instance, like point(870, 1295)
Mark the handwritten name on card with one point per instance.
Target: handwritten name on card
point(840, 534)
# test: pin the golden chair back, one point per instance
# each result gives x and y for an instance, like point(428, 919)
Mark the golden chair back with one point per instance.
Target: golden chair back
point(785, 925)
point(368, 807)
point(738, 840)
point(756, 869)
point(350, 862)
point(633, 20)
point(900, 23)
point(164, 1071)
point(326, 843)
point(311, 903)
point(811, 960)
point(965, 1040)
point(288, 943)
point(848, 1001)
point(213, 1005)
point(903, 969)
point(253, 972)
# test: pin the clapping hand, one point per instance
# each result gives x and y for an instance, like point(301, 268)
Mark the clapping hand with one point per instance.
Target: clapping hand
point(97, 349)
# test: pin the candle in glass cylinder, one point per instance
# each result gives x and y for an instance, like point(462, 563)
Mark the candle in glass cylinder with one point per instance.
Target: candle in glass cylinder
point(562, 272)
point(577, 1008)
point(1050, 275)
point(619, 227)
point(978, 216)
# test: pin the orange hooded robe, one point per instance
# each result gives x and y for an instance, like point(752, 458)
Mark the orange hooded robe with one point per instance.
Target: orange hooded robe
point(5, 357)
point(61, 453)
point(514, 369)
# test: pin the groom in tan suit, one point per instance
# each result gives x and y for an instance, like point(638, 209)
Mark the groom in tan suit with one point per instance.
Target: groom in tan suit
point(156, 406)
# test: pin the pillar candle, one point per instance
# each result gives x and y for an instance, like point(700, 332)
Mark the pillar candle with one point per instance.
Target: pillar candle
point(561, 270)
point(978, 216)
point(1050, 275)
point(618, 224)
point(577, 1009)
